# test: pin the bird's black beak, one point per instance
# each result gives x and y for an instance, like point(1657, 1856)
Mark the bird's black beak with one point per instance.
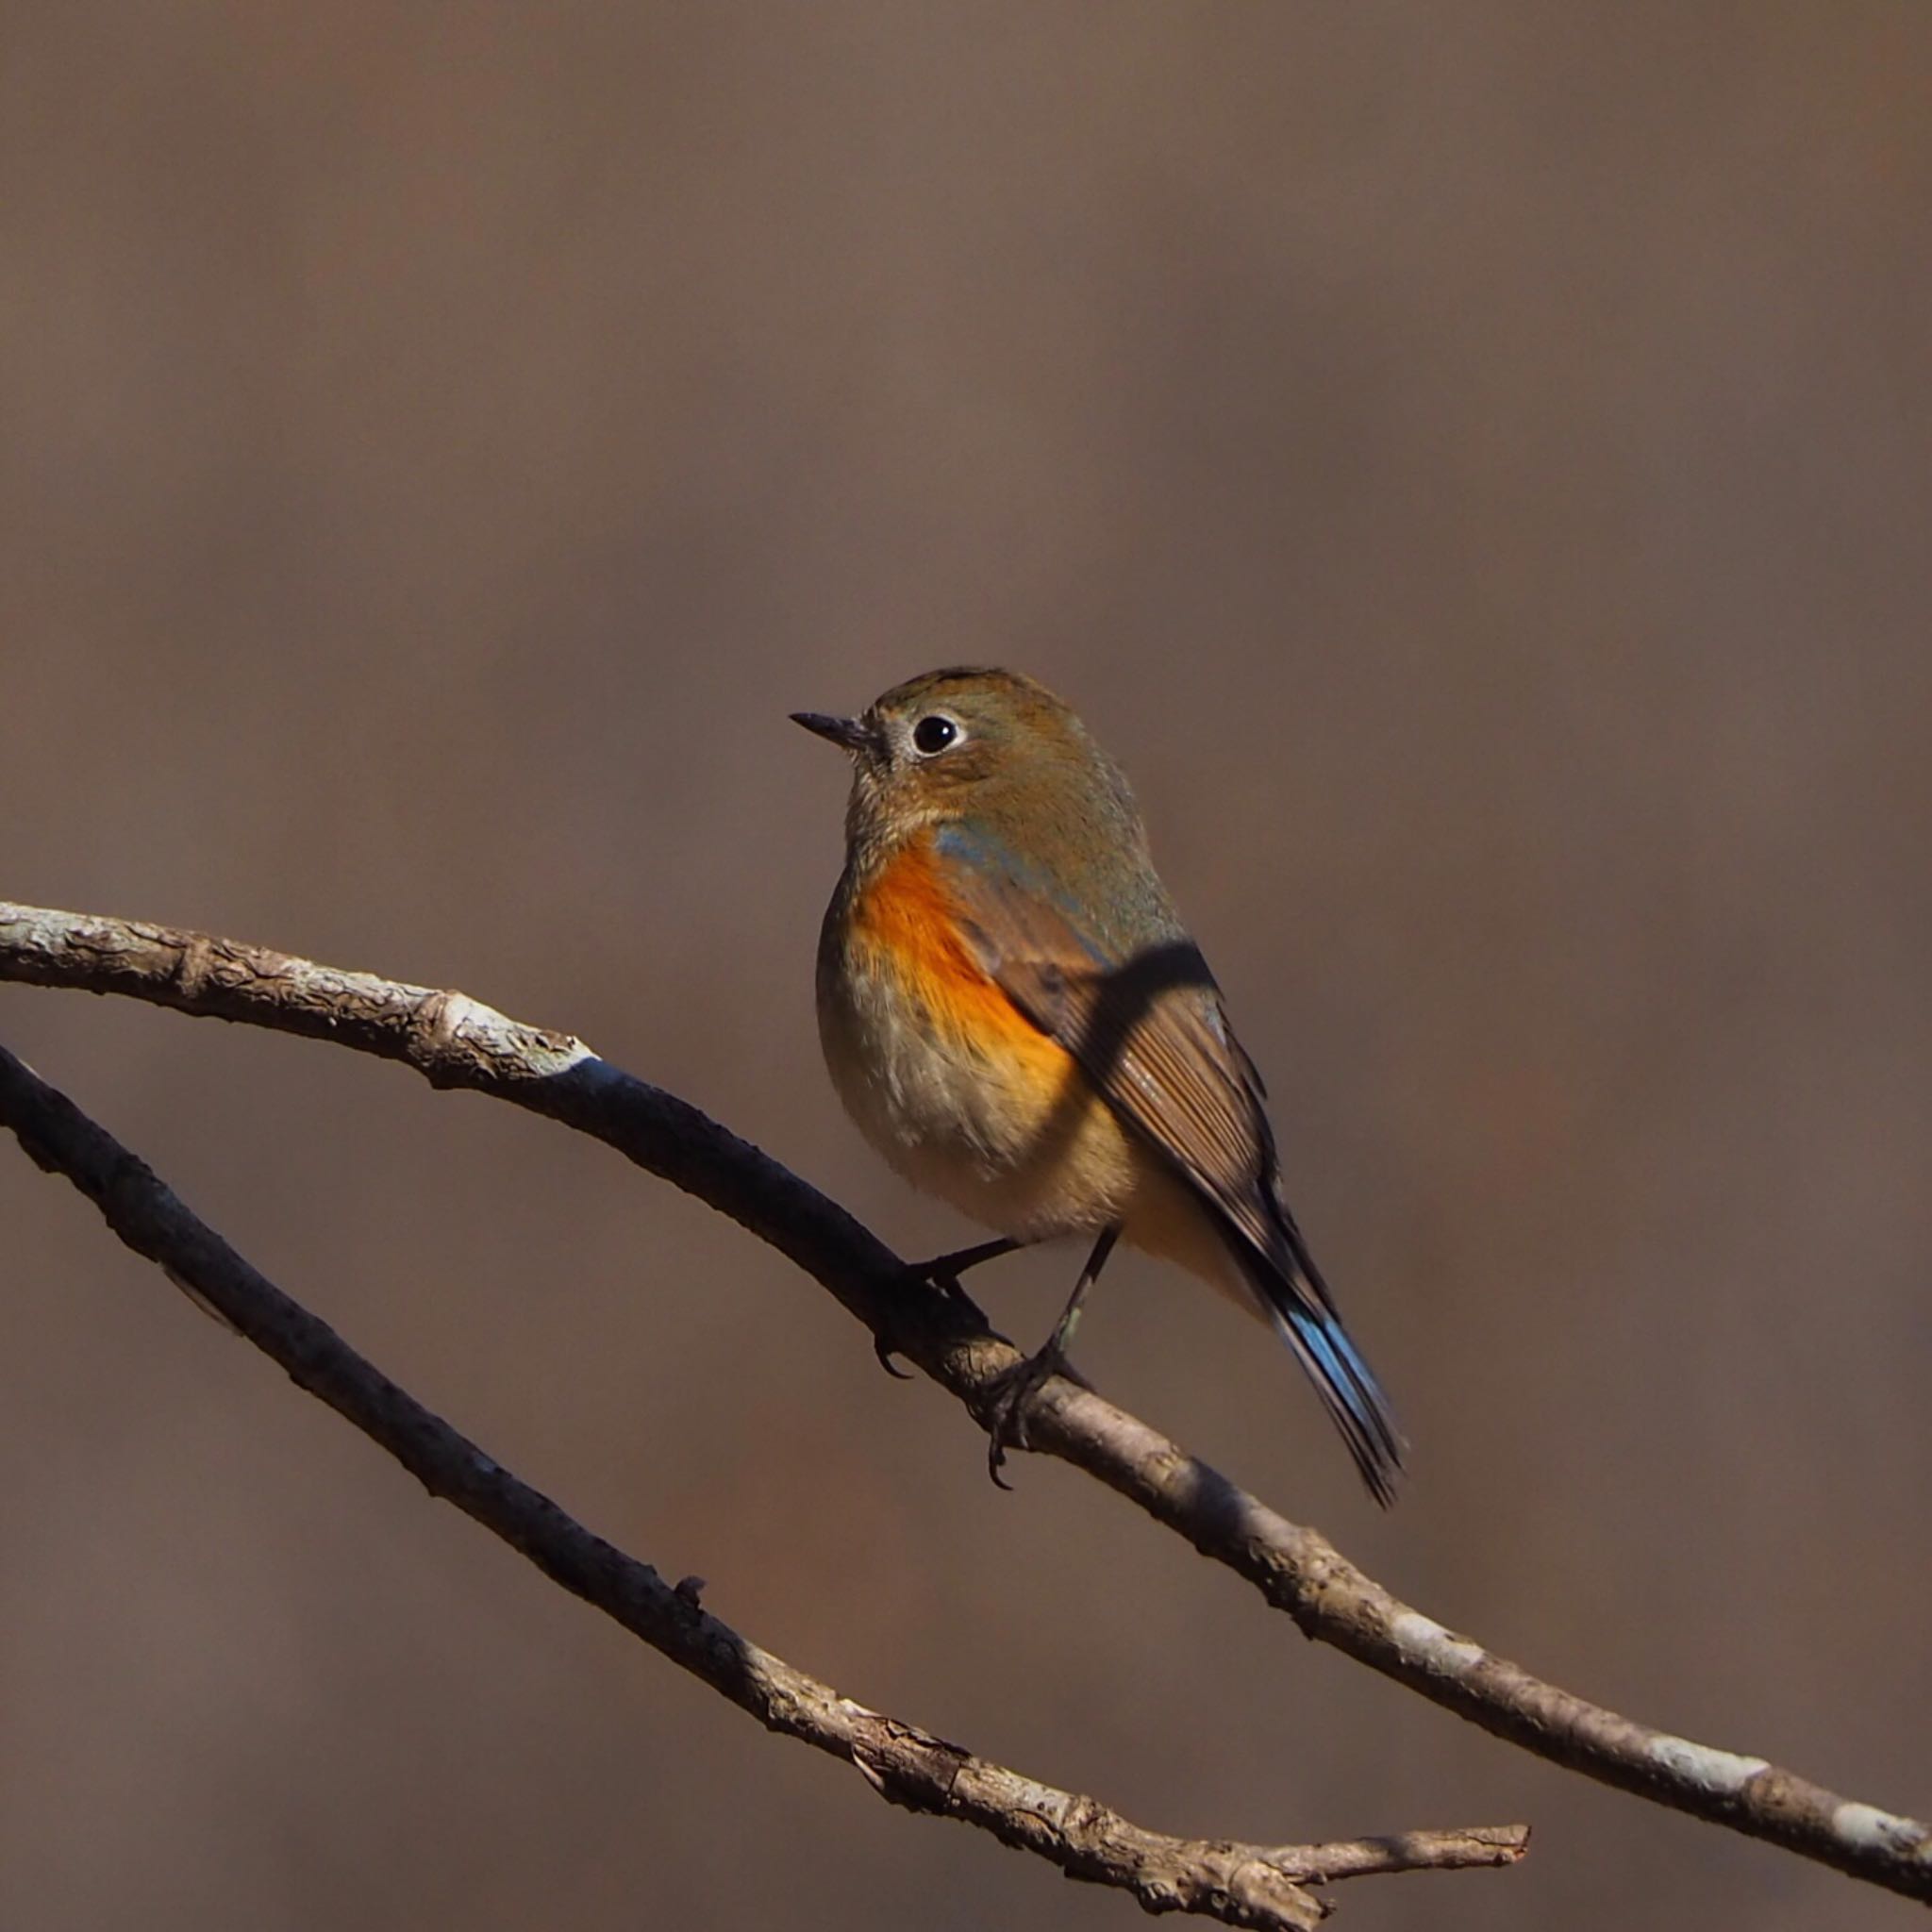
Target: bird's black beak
point(849, 734)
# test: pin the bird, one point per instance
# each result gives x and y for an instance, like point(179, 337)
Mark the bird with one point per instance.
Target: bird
point(1014, 1015)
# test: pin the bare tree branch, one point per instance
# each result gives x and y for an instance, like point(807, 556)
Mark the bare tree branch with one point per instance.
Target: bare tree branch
point(453, 1041)
point(1242, 1885)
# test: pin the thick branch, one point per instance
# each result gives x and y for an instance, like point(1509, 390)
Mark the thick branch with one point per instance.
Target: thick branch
point(1239, 1884)
point(453, 1041)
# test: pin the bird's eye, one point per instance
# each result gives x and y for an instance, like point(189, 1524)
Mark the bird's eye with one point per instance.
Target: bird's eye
point(932, 735)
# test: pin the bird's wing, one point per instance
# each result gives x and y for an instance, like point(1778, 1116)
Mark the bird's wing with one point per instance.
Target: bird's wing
point(1146, 1026)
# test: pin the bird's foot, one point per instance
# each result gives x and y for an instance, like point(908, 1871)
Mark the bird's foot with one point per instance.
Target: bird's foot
point(942, 1273)
point(1006, 1414)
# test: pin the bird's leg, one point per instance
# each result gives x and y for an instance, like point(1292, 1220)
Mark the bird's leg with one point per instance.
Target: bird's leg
point(1006, 1418)
point(944, 1271)
point(944, 1274)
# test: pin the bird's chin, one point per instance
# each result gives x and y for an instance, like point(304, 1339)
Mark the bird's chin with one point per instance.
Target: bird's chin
point(880, 816)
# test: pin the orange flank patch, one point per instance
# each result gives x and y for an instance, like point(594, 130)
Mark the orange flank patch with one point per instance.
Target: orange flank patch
point(908, 919)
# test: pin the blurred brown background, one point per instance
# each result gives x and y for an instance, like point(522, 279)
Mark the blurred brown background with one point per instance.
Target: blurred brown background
point(1471, 466)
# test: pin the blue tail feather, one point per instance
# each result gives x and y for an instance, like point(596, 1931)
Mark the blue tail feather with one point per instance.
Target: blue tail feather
point(1297, 1302)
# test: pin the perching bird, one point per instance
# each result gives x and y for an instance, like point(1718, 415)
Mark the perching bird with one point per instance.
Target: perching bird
point(1015, 1017)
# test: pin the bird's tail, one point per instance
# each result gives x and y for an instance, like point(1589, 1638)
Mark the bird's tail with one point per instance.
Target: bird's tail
point(1297, 1302)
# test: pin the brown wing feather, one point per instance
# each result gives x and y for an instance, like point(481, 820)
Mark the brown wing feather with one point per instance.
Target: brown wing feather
point(1153, 1038)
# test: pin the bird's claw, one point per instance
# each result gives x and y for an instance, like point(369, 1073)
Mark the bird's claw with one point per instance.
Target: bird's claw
point(1005, 1413)
point(885, 1351)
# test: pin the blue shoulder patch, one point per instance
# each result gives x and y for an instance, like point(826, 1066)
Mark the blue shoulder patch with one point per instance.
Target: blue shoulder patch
point(998, 871)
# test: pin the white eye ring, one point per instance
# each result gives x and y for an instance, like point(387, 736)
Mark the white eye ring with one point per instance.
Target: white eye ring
point(934, 733)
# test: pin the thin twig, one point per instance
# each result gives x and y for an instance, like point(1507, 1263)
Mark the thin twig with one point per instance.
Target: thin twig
point(453, 1041)
point(1239, 1884)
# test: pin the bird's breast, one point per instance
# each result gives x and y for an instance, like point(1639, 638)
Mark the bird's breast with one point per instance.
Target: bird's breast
point(944, 1074)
